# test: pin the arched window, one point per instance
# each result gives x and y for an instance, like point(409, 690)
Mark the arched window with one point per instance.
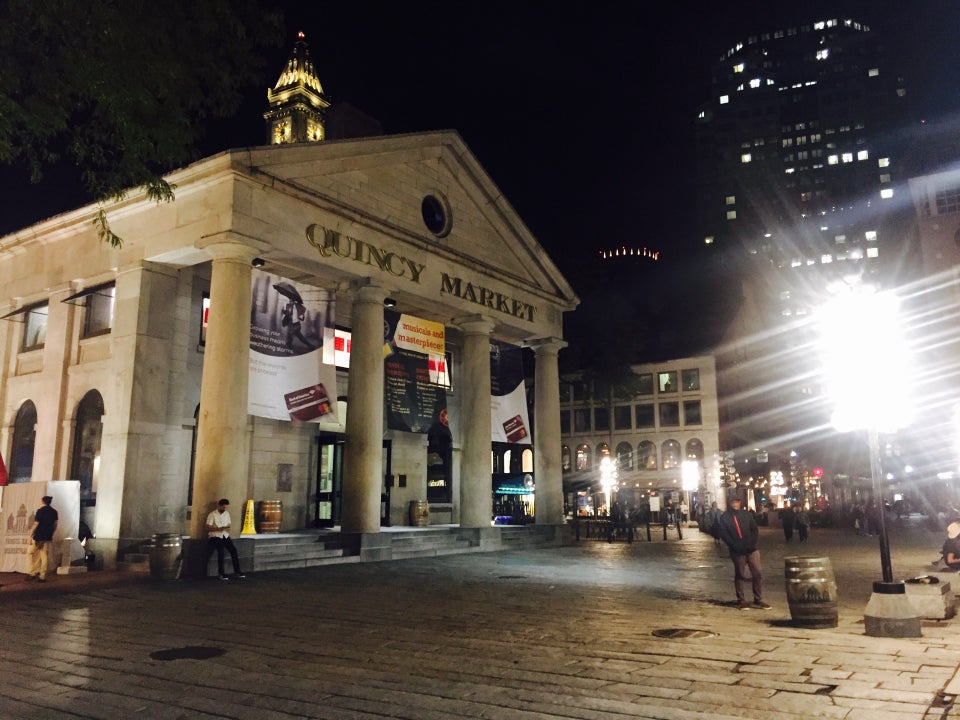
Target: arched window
point(565, 458)
point(507, 456)
point(694, 450)
point(24, 439)
point(583, 457)
point(603, 450)
point(625, 456)
point(87, 434)
point(526, 461)
point(646, 456)
point(670, 451)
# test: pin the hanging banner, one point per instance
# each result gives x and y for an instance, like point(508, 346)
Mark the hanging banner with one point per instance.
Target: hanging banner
point(508, 399)
point(292, 375)
point(3, 472)
point(415, 399)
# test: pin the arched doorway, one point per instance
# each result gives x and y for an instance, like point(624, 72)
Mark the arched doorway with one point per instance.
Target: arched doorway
point(87, 436)
point(24, 440)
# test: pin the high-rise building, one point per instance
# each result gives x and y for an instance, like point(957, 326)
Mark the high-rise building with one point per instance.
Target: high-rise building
point(798, 171)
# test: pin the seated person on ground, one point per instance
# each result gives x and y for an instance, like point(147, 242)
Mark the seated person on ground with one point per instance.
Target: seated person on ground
point(951, 547)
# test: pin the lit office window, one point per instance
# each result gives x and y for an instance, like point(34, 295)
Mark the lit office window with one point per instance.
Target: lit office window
point(823, 54)
point(708, 240)
point(731, 200)
point(825, 259)
point(871, 235)
point(738, 68)
point(883, 162)
point(863, 155)
point(840, 239)
point(724, 99)
point(746, 157)
point(886, 193)
point(731, 214)
point(847, 157)
point(873, 252)
point(832, 159)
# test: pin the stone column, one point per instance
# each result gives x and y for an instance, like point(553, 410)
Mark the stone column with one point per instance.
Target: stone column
point(547, 467)
point(476, 491)
point(222, 459)
point(362, 456)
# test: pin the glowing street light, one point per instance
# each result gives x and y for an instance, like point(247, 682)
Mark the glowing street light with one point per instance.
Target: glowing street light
point(867, 372)
point(608, 478)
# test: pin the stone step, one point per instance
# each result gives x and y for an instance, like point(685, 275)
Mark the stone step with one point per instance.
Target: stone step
point(401, 554)
point(294, 562)
point(296, 548)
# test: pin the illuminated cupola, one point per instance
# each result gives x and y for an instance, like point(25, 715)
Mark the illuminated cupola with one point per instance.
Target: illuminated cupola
point(296, 106)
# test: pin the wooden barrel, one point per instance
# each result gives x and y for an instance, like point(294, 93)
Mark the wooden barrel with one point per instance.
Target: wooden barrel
point(165, 556)
point(811, 591)
point(270, 516)
point(419, 513)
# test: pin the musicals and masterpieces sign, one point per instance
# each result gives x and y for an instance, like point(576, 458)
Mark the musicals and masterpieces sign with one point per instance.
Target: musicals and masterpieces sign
point(292, 375)
point(415, 399)
point(508, 395)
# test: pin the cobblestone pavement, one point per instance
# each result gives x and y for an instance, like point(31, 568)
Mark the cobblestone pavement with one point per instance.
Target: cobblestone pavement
point(529, 635)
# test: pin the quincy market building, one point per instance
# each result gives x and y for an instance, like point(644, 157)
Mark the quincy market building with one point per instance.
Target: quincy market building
point(129, 369)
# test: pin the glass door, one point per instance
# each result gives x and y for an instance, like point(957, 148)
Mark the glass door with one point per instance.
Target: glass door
point(326, 511)
point(385, 486)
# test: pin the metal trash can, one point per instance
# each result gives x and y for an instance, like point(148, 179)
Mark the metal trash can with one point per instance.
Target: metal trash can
point(811, 591)
point(165, 556)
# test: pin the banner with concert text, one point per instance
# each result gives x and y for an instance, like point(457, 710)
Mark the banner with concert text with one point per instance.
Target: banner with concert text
point(414, 366)
point(508, 395)
point(292, 373)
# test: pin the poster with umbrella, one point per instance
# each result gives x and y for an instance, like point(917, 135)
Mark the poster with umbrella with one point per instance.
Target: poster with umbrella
point(292, 376)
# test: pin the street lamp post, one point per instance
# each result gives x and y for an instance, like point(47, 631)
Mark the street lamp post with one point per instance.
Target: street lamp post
point(863, 348)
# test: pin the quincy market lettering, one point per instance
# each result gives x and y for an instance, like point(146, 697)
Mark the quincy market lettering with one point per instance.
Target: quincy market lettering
point(329, 242)
point(486, 297)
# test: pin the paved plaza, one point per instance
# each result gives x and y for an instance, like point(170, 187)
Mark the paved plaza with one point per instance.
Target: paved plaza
point(527, 635)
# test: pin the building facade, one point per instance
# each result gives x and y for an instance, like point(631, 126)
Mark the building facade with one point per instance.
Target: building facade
point(129, 368)
point(670, 417)
point(801, 175)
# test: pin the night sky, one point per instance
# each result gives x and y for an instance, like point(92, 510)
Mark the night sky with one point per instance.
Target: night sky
point(581, 113)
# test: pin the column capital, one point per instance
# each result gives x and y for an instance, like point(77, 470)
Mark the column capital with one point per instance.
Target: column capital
point(546, 345)
point(474, 324)
point(369, 291)
point(231, 245)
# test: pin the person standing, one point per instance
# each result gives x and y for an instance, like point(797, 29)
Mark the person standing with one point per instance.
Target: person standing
point(218, 534)
point(710, 518)
point(738, 529)
point(803, 523)
point(788, 517)
point(41, 537)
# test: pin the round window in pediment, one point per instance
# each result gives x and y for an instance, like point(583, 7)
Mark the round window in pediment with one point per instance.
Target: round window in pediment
point(436, 215)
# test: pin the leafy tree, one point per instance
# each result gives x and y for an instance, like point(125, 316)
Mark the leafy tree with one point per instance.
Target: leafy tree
point(123, 89)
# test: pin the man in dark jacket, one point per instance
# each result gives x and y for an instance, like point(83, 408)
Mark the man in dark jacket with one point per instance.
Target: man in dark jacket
point(738, 529)
point(41, 537)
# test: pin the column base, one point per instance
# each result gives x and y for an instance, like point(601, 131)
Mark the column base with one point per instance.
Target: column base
point(889, 613)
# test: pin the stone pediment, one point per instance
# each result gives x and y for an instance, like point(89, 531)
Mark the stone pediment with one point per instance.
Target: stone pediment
point(379, 184)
